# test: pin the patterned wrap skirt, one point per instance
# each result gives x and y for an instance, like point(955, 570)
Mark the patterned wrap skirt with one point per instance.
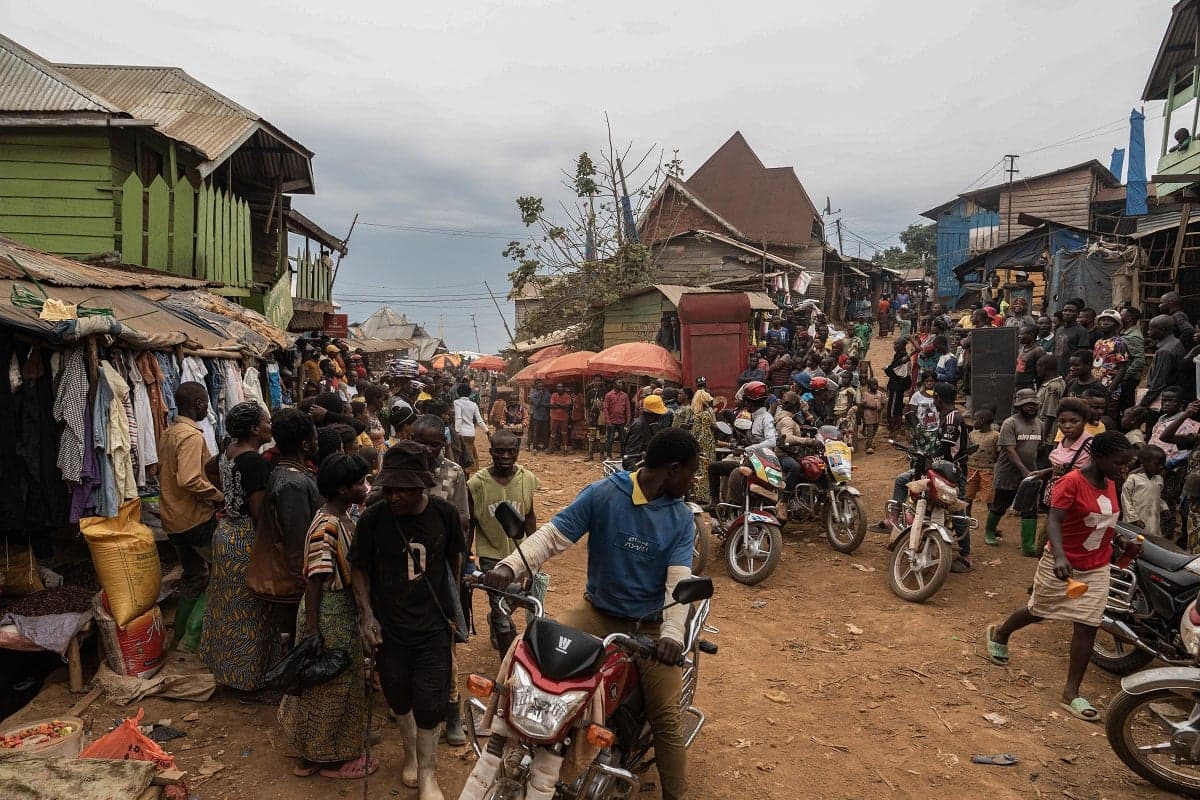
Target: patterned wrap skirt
point(241, 639)
point(325, 723)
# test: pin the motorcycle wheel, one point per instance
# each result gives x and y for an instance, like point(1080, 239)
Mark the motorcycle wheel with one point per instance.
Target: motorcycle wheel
point(1135, 726)
point(1118, 657)
point(845, 537)
point(703, 546)
point(916, 577)
point(752, 565)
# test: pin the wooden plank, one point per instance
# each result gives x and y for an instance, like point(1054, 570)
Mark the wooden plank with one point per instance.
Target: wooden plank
point(56, 154)
point(62, 172)
point(213, 256)
point(28, 187)
point(131, 221)
point(200, 256)
point(82, 704)
point(217, 260)
point(66, 245)
point(57, 206)
point(183, 227)
point(80, 137)
point(158, 221)
point(71, 226)
point(167, 777)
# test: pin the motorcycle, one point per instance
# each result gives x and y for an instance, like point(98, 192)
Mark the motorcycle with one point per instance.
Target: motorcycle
point(566, 688)
point(1147, 600)
point(702, 548)
point(1153, 721)
point(825, 493)
point(748, 529)
point(923, 542)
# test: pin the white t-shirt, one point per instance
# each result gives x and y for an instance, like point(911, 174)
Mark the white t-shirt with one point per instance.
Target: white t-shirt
point(467, 416)
point(920, 401)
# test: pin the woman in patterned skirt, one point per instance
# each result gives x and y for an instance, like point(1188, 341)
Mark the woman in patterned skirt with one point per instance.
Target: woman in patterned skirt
point(239, 643)
point(325, 722)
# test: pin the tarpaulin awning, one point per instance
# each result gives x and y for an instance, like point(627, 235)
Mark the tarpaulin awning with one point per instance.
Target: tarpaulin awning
point(247, 326)
point(636, 358)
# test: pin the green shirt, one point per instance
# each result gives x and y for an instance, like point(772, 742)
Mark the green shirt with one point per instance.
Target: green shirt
point(1135, 343)
point(486, 494)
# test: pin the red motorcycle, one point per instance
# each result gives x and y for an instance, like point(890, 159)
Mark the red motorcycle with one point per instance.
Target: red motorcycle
point(568, 693)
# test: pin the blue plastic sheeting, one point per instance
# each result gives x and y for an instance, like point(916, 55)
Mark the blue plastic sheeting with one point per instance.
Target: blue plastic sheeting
point(1135, 181)
point(1118, 162)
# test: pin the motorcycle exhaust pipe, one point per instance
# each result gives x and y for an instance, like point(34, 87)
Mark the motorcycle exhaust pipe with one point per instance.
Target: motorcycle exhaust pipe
point(1119, 630)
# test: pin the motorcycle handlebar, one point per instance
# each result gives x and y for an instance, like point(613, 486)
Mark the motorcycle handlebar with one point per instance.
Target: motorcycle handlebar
point(638, 646)
point(514, 592)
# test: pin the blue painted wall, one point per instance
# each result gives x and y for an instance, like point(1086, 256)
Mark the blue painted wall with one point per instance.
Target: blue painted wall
point(956, 227)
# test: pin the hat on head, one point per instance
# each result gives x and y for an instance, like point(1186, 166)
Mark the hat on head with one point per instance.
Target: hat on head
point(358, 400)
point(332, 348)
point(654, 404)
point(405, 466)
point(403, 368)
point(702, 381)
point(1024, 396)
point(1109, 313)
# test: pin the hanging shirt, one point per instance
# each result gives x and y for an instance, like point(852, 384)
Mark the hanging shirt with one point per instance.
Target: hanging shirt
point(120, 443)
point(70, 407)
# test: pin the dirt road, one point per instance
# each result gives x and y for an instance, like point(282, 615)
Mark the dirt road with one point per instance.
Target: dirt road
point(826, 685)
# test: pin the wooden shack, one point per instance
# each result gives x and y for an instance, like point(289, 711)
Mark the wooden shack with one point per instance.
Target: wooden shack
point(640, 315)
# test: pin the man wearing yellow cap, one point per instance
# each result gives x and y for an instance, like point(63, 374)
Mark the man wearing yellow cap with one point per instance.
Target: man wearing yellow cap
point(648, 423)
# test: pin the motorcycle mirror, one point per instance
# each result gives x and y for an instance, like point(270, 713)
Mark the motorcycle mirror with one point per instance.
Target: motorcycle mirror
point(512, 522)
point(689, 590)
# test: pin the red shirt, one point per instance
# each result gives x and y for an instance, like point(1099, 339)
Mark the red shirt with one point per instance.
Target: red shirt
point(1088, 527)
point(884, 307)
point(564, 400)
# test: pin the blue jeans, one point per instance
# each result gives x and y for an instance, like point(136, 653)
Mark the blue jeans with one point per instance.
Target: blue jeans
point(961, 530)
point(791, 472)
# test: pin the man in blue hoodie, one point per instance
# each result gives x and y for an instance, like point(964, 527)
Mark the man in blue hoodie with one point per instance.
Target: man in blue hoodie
point(641, 536)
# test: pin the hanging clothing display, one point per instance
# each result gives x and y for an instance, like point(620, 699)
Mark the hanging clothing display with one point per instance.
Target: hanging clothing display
point(70, 408)
point(274, 386)
point(120, 443)
point(252, 387)
point(143, 416)
point(195, 371)
point(45, 497)
point(152, 377)
point(170, 382)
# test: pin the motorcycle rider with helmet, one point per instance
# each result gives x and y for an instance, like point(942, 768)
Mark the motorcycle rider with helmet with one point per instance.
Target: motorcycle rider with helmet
point(640, 540)
point(754, 396)
point(942, 434)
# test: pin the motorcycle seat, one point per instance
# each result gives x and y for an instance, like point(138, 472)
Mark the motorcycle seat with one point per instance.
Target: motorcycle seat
point(563, 652)
point(1165, 554)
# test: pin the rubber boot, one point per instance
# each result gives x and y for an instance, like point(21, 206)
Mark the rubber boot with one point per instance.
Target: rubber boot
point(409, 737)
point(1029, 537)
point(989, 531)
point(456, 735)
point(502, 631)
point(183, 610)
point(427, 785)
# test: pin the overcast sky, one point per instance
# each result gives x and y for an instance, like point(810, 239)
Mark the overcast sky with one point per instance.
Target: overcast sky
point(437, 115)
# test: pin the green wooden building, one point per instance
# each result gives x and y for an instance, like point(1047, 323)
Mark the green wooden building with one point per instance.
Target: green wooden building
point(150, 167)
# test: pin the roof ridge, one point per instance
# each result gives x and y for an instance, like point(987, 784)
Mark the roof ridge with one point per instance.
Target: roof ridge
point(50, 71)
point(180, 73)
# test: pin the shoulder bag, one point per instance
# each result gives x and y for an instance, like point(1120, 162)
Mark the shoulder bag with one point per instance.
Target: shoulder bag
point(271, 575)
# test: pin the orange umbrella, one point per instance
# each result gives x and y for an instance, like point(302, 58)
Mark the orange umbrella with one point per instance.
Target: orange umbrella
point(636, 358)
point(547, 353)
point(571, 365)
point(528, 375)
point(490, 363)
point(445, 361)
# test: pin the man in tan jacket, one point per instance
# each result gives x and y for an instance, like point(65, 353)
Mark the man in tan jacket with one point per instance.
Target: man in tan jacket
point(188, 499)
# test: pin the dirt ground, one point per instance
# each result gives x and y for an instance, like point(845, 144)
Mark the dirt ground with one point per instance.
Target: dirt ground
point(826, 685)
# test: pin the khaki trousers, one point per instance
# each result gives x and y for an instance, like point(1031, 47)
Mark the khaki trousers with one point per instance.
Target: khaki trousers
point(661, 686)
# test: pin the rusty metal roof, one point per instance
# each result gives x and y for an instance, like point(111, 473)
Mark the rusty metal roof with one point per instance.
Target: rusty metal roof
point(765, 203)
point(191, 112)
point(30, 83)
point(18, 262)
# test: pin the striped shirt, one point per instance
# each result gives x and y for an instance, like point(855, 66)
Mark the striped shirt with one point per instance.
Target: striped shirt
point(329, 537)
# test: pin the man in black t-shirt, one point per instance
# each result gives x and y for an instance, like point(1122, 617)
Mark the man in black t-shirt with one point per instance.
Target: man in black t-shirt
point(404, 553)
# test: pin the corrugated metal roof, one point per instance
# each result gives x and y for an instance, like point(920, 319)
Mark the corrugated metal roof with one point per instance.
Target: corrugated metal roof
point(1175, 51)
point(58, 271)
point(30, 83)
point(191, 112)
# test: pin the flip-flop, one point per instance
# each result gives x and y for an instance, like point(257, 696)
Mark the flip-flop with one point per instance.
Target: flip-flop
point(302, 771)
point(351, 770)
point(998, 760)
point(996, 653)
point(1079, 708)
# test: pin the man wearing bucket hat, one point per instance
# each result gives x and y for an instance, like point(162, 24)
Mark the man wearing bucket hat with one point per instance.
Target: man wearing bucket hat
point(1110, 358)
point(648, 423)
point(1020, 437)
point(404, 551)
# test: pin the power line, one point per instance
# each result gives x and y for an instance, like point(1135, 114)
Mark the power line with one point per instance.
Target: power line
point(449, 231)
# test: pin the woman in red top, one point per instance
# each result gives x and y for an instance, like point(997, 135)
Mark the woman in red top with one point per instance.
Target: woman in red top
point(1083, 513)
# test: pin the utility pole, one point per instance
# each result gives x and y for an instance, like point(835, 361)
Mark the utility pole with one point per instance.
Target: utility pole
point(838, 223)
point(476, 327)
point(1011, 169)
point(511, 339)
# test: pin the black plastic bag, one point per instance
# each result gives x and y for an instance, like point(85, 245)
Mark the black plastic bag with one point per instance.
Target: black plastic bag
point(307, 665)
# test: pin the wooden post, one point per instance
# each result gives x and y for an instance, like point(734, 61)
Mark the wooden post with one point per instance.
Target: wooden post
point(1185, 214)
point(74, 665)
point(1167, 115)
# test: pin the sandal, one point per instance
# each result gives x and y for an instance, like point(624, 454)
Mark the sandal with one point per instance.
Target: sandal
point(996, 653)
point(1080, 708)
point(998, 760)
point(305, 769)
point(352, 770)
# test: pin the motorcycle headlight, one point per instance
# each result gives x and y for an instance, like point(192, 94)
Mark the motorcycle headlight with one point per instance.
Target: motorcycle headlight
point(537, 713)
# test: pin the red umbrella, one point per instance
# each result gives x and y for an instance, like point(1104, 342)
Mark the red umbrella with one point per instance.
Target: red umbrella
point(527, 375)
point(571, 365)
point(490, 363)
point(547, 353)
point(636, 358)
